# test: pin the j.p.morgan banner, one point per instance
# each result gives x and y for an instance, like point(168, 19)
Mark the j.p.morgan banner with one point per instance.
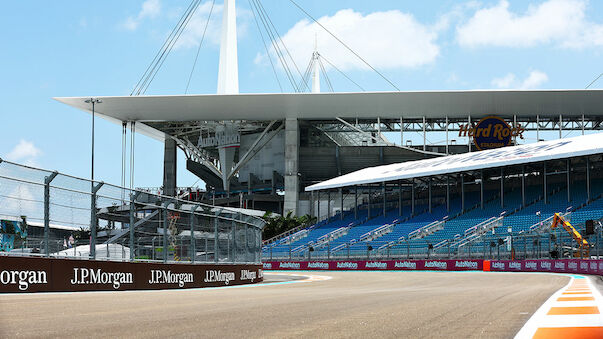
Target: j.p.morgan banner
point(57, 275)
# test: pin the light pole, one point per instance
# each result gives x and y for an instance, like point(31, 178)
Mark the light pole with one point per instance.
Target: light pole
point(92, 252)
point(92, 101)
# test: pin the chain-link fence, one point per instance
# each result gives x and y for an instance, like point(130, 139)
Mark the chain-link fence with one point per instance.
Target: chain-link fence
point(47, 213)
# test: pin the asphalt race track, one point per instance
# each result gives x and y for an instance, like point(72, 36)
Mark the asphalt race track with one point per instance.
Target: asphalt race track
point(350, 304)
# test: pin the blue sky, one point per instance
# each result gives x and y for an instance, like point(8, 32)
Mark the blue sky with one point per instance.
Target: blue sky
point(81, 48)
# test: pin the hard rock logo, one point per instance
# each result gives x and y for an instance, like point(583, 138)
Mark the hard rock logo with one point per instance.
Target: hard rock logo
point(491, 132)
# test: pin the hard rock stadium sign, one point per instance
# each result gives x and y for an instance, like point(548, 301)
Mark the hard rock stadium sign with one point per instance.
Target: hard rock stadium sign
point(491, 132)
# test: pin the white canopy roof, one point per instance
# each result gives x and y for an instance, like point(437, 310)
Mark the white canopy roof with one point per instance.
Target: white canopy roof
point(410, 104)
point(515, 155)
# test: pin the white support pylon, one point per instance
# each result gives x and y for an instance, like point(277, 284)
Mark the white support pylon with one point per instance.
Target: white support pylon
point(228, 71)
point(228, 83)
point(316, 70)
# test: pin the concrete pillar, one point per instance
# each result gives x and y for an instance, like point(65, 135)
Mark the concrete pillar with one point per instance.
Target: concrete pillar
point(588, 195)
point(384, 200)
point(523, 185)
point(447, 193)
point(481, 189)
point(291, 166)
point(462, 192)
point(355, 202)
point(341, 195)
point(169, 167)
point(502, 188)
point(412, 198)
point(544, 183)
point(429, 192)
point(569, 197)
point(400, 198)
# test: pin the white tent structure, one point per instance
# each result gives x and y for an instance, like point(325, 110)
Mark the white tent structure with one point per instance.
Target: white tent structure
point(103, 252)
point(508, 156)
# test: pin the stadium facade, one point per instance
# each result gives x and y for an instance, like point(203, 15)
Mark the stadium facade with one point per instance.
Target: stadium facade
point(261, 151)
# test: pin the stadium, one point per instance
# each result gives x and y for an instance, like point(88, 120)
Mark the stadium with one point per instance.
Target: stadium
point(495, 231)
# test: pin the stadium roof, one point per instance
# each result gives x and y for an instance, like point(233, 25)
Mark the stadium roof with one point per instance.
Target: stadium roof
point(413, 104)
point(523, 154)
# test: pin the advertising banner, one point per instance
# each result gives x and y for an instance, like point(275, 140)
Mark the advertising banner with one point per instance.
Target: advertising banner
point(376, 265)
point(21, 274)
point(579, 266)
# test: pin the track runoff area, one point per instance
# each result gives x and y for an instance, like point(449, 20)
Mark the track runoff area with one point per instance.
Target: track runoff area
point(410, 304)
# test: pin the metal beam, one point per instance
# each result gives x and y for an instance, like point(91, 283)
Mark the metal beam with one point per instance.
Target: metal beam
point(387, 143)
point(252, 151)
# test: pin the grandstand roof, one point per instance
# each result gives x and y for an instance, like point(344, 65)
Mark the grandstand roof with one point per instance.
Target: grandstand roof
point(410, 104)
point(507, 156)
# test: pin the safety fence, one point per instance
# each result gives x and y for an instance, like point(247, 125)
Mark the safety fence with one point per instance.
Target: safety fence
point(50, 214)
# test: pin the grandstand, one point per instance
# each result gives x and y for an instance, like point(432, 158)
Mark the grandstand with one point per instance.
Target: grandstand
point(418, 209)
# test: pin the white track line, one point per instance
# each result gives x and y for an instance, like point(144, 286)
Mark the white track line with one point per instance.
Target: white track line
point(541, 318)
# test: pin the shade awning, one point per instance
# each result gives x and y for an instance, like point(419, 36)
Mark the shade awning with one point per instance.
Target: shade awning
point(507, 156)
point(368, 105)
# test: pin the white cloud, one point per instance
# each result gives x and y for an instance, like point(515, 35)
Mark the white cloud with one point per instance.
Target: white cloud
point(150, 9)
point(510, 81)
point(191, 36)
point(387, 40)
point(24, 150)
point(559, 22)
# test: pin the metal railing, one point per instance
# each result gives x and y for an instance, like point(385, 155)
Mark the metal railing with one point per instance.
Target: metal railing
point(76, 218)
point(551, 244)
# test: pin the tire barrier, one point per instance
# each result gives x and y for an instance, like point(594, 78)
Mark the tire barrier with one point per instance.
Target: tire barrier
point(23, 274)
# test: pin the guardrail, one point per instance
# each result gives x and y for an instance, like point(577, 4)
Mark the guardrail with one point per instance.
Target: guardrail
point(428, 229)
point(476, 232)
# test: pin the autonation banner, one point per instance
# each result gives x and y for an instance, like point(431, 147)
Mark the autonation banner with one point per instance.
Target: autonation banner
point(556, 266)
point(581, 266)
point(376, 265)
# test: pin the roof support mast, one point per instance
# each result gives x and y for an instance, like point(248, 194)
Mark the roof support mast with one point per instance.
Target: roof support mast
point(228, 81)
point(316, 70)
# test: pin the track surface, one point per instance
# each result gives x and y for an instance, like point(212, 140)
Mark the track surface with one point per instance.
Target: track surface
point(351, 304)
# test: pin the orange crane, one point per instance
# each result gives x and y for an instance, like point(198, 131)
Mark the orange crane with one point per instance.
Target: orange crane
point(582, 243)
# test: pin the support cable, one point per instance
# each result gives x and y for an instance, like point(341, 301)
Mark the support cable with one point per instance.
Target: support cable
point(324, 71)
point(592, 82)
point(307, 73)
point(265, 47)
point(279, 37)
point(132, 148)
point(144, 75)
point(199, 48)
point(275, 45)
point(344, 45)
point(342, 73)
point(167, 52)
point(123, 159)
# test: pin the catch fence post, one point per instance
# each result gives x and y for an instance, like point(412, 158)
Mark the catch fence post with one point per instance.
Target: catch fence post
point(133, 197)
point(193, 249)
point(47, 181)
point(93, 218)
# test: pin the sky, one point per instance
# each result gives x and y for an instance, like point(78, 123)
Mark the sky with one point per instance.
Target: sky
point(85, 48)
